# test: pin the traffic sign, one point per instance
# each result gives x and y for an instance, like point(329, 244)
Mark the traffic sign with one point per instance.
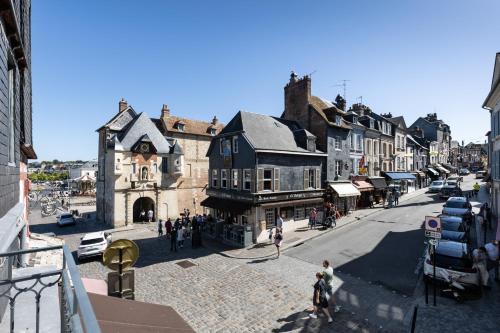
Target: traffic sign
point(432, 234)
point(433, 223)
point(121, 254)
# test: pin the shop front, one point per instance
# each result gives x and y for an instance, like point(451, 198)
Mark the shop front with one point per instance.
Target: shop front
point(366, 189)
point(240, 220)
point(432, 173)
point(442, 171)
point(421, 179)
point(380, 188)
point(343, 195)
point(403, 181)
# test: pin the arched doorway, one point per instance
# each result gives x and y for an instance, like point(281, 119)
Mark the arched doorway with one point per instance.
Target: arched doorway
point(143, 204)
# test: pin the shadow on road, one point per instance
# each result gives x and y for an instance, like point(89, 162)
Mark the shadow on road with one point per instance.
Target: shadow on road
point(395, 249)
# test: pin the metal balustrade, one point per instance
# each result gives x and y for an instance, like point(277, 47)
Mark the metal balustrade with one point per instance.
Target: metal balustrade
point(76, 312)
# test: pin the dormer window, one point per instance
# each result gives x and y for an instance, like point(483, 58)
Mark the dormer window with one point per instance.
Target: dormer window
point(180, 127)
point(212, 131)
point(337, 120)
point(311, 145)
point(354, 119)
point(372, 123)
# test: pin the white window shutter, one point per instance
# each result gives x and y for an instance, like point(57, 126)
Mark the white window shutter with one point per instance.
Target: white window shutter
point(306, 179)
point(276, 180)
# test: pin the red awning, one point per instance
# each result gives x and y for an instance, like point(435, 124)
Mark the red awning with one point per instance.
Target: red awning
point(362, 185)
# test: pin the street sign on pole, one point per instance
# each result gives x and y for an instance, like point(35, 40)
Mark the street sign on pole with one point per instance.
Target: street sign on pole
point(432, 234)
point(433, 223)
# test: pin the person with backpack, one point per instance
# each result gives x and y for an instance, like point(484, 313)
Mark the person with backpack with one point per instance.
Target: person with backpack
point(173, 240)
point(278, 240)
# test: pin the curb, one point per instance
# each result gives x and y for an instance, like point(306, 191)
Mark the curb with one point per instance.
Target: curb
point(301, 241)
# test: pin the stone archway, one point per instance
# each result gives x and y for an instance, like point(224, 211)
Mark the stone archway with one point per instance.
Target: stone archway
point(143, 204)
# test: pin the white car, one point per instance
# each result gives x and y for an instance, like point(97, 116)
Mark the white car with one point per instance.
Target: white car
point(65, 219)
point(436, 186)
point(454, 258)
point(93, 244)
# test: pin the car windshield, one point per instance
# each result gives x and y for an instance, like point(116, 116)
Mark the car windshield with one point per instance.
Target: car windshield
point(453, 263)
point(437, 183)
point(455, 204)
point(66, 216)
point(92, 241)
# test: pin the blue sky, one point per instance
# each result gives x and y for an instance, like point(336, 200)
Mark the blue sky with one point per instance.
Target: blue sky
point(206, 58)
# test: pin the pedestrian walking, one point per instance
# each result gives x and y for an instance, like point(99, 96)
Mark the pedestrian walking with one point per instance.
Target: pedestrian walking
point(278, 240)
point(383, 198)
point(312, 218)
point(142, 216)
point(168, 227)
point(173, 240)
point(279, 223)
point(270, 234)
point(397, 194)
point(476, 187)
point(320, 298)
point(370, 200)
point(480, 257)
point(390, 200)
point(160, 228)
point(180, 237)
point(150, 215)
point(492, 263)
point(328, 277)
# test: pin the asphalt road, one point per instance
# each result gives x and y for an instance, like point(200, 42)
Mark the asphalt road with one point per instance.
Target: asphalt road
point(384, 248)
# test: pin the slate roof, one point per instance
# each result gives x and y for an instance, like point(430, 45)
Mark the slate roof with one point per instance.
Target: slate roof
point(400, 121)
point(266, 132)
point(140, 126)
point(191, 126)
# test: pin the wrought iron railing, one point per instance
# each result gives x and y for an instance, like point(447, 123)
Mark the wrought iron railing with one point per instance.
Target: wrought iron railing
point(76, 310)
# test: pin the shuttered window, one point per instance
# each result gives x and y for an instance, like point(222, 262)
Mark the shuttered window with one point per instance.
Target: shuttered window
point(306, 179)
point(235, 179)
point(276, 179)
point(260, 180)
point(252, 183)
point(318, 178)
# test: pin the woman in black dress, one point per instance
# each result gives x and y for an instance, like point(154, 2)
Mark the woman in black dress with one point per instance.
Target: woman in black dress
point(320, 300)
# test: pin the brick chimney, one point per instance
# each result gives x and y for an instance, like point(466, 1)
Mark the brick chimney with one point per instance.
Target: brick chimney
point(122, 105)
point(165, 112)
point(215, 121)
point(297, 95)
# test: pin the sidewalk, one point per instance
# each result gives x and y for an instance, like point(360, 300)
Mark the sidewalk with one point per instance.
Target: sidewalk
point(479, 315)
point(299, 236)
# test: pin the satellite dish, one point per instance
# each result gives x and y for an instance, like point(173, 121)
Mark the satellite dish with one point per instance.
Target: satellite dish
point(122, 252)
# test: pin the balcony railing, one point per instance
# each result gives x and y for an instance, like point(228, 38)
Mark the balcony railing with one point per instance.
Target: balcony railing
point(76, 311)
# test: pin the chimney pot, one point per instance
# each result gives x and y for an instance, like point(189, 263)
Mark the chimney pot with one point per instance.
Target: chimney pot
point(122, 105)
point(215, 120)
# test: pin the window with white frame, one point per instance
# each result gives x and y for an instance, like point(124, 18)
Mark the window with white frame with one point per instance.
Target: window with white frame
point(358, 142)
point(221, 146)
point(223, 178)
point(268, 179)
point(269, 217)
point(338, 167)
point(337, 120)
point(215, 178)
point(247, 179)
point(11, 138)
point(338, 142)
point(235, 144)
point(312, 178)
point(234, 179)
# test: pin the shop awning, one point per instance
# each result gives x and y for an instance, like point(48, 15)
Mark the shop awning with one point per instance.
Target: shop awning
point(344, 189)
point(362, 185)
point(400, 175)
point(236, 207)
point(440, 168)
point(419, 173)
point(432, 171)
point(378, 182)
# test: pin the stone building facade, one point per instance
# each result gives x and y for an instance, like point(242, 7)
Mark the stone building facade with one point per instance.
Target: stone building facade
point(16, 144)
point(194, 137)
point(399, 131)
point(323, 119)
point(436, 130)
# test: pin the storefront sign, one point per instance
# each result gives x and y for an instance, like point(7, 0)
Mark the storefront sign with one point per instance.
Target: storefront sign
point(287, 196)
point(230, 196)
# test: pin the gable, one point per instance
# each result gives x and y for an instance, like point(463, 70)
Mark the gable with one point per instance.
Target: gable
point(121, 120)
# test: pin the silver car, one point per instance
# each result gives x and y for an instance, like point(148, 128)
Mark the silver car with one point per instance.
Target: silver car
point(436, 186)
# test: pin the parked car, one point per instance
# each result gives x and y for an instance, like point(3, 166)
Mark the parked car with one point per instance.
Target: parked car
point(458, 206)
point(456, 236)
point(453, 223)
point(456, 259)
point(449, 190)
point(436, 186)
point(66, 219)
point(93, 244)
point(463, 172)
point(455, 178)
point(480, 174)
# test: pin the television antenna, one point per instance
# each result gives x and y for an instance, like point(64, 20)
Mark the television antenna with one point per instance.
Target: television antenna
point(344, 86)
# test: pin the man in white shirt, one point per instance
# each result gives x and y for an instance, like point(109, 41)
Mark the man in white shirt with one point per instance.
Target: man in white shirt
point(279, 223)
point(492, 250)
